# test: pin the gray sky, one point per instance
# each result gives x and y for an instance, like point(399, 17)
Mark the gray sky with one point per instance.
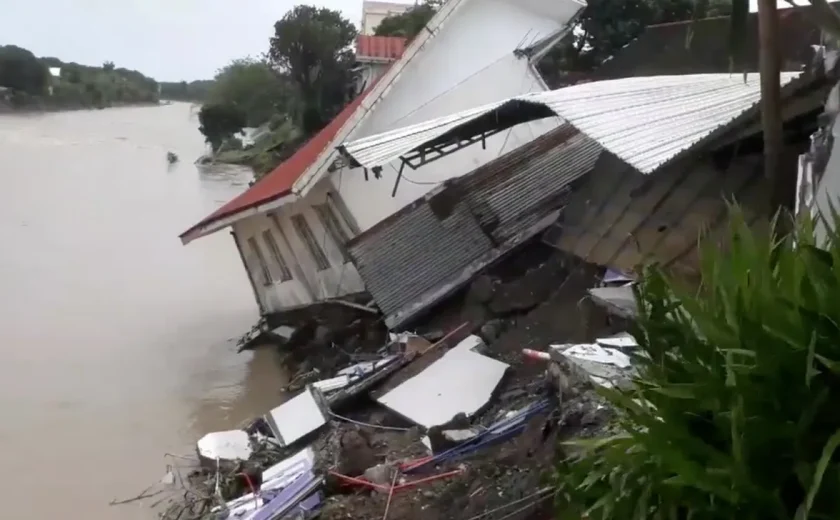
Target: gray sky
point(167, 39)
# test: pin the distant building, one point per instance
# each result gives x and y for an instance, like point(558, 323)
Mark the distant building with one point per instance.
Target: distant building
point(374, 12)
point(374, 54)
point(55, 74)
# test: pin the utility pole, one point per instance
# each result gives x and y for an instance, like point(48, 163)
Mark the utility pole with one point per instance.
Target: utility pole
point(769, 63)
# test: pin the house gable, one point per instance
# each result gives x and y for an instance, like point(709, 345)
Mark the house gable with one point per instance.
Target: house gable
point(495, 29)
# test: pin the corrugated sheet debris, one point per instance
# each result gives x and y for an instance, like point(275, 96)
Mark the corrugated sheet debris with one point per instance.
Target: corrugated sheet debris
point(645, 121)
point(411, 259)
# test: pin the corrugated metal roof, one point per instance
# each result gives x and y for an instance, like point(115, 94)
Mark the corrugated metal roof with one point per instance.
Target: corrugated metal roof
point(415, 257)
point(516, 193)
point(647, 122)
point(380, 149)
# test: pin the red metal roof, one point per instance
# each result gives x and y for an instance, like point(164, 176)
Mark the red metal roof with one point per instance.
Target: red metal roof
point(379, 47)
point(280, 181)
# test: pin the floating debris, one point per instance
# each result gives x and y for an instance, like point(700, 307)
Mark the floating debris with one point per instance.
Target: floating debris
point(230, 446)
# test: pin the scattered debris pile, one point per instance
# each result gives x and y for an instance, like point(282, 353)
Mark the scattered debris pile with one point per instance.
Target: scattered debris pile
point(465, 427)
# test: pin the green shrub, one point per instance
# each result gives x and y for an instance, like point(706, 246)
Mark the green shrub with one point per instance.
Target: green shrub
point(734, 413)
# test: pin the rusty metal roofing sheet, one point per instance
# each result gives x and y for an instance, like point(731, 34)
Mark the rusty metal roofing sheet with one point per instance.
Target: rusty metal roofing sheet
point(411, 254)
point(410, 259)
point(524, 194)
point(645, 121)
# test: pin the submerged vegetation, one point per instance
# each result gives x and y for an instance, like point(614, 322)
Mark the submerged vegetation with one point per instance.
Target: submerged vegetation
point(732, 414)
point(29, 82)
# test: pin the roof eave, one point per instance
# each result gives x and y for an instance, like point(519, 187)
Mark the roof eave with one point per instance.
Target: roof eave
point(223, 221)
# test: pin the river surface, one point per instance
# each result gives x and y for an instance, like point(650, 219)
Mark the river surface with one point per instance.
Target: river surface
point(117, 342)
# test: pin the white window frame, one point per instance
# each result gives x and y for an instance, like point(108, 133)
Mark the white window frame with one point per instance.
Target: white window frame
point(332, 224)
point(274, 249)
point(263, 265)
point(310, 242)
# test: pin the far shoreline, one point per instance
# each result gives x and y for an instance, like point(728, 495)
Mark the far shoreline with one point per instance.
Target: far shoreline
point(6, 109)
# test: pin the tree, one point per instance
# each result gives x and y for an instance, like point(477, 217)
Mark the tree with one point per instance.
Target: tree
point(50, 61)
point(72, 73)
point(21, 70)
point(409, 23)
point(253, 86)
point(183, 91)
point(108, 66)
point(312, 46)
point(220, 122)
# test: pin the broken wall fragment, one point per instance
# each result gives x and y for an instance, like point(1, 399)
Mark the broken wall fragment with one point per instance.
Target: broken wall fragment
point(461, 381)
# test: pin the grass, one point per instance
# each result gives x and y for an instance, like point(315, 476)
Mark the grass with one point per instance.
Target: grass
point(734, 410)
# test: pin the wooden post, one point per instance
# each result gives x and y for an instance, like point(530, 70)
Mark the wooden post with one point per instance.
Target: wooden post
point(771, 109)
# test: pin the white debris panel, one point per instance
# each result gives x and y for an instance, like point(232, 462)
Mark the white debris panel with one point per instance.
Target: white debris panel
point(228, 445)
point(298, 417)
point(607, 361)
point(645, 121)
point(462, 381)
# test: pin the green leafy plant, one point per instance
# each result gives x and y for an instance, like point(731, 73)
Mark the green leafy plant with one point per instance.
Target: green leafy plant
point(734, 412)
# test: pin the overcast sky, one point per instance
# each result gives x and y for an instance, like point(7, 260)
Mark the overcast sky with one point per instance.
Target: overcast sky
point(167, 39)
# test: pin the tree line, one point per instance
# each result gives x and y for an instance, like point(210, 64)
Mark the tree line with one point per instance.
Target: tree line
point(26, 81)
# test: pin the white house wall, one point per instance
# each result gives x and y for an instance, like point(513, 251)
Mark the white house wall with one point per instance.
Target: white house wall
point(308, 284)
point(470, 63)
point(828, 190)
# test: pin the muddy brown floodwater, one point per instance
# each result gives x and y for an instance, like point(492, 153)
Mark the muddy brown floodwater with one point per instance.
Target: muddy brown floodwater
point(116, 340)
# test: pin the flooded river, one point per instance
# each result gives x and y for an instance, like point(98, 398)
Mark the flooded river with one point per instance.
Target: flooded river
point(117, 341)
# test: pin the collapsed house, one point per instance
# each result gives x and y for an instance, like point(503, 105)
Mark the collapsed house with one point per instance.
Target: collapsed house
point(675, 148)
point(292, 226)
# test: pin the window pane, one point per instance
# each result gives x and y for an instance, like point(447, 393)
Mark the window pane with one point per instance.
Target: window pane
point(255, 247)
point(333, 227)
point(285, 273)
point(305, 233)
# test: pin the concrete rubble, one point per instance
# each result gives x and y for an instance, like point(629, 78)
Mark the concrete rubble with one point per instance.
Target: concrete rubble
point(432, 424)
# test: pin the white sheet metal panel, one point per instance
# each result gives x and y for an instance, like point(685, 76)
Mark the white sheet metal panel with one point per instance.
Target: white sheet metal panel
point(461, 381)
point(297, 417)
point(380, 149)
point(277, 476)
point(645, 121)
point(302, 461)
point(227, 445)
